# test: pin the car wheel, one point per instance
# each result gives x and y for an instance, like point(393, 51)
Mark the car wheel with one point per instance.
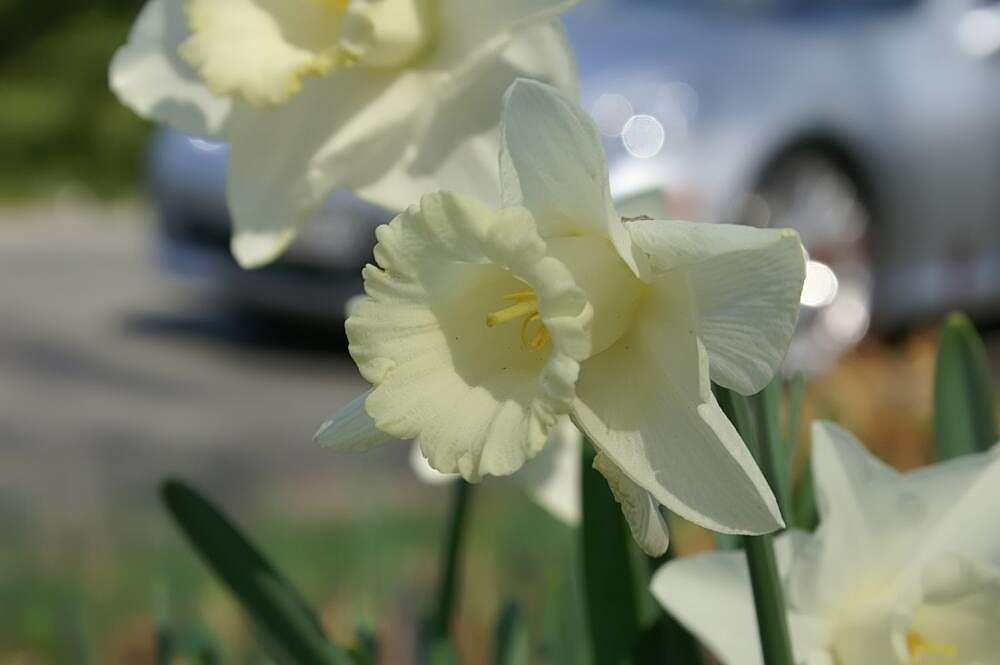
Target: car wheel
point(814, 195)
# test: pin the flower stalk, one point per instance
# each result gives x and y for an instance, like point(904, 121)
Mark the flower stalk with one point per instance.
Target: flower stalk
point(769, 601)
point(448, 589)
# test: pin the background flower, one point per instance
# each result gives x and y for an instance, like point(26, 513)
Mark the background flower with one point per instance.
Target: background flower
point(316, 96)
point(902, 569)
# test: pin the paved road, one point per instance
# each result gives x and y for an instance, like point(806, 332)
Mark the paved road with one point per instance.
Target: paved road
point(111, 377)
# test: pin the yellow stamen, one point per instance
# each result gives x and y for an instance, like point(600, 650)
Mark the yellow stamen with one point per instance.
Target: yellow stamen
point(918, 646)
point(515, 311)
point(525, 305)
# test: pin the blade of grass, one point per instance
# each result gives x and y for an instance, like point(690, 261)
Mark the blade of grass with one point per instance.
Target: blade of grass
point(769, 600)
point(287, 626)
point(965, 419)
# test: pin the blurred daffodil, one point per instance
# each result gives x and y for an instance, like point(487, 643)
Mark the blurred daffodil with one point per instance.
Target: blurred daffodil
point(481, 328)
point(392, 98)
point(903, 568)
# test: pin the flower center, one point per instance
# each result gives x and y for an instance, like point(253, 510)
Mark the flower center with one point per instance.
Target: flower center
point(918, 646)
point(534, 334)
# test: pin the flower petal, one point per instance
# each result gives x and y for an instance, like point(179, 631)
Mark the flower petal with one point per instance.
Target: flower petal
point(479, 24)
point(148, 76)
point(351, 429)
point(553, 478)
point(641, 510)
point(475, 399)
point(425, 472)
point(711, 595)
point(858, 508)
point(389, 135)
point(454, 137)
point(552, 162)
point(647, 404)
point(286, 161)
point(747, 284)
point(956, 494)
point(260, 49)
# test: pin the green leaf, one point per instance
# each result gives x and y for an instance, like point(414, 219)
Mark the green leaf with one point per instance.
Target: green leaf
point(564, 628)
point(287, 627)
point(806, 513)
point(769, 600)
point(796, 396)
point(612, 612)
point(767, 407)
point(964, 403)
point(513, 646)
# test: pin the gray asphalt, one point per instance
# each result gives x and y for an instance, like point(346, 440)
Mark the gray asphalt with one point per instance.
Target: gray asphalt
point(112, 377)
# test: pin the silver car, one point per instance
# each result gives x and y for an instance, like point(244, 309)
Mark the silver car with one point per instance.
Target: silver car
point(870, 126)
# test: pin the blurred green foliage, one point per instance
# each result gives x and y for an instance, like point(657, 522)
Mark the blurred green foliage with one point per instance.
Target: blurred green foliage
point(59, 123)
point(106, 592)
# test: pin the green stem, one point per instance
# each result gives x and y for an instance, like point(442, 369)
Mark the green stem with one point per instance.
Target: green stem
point(769, 601)
point(440, 626)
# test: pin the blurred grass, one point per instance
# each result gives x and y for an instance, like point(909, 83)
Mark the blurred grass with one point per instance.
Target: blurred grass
point(60, 126)
point(370, 567)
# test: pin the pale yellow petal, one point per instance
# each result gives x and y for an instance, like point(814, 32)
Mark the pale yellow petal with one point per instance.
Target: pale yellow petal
point(261, 49)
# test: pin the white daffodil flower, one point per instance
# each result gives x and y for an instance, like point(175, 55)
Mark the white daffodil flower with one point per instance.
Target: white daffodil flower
point(481, 328)
point(391, 98)
point(552, 479)
point(903, 568)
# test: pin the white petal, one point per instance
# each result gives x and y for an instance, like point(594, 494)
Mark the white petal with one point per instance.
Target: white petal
point(747, 283)
point(475, 399)
point(425, 472)
point(959, 496)
point(455, 140)
point(859, 511)
point(711, 595)
point(552, 162)
point(647, 404)
point(391, 136)
point(553, 478)
point(351, 429)
point(960, 610)
point(148, 76)
point(286, 161)
point(641, 510)
point(478, 25)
